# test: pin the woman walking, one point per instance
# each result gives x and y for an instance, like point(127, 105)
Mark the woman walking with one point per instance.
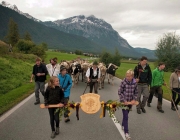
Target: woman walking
point(175, 87)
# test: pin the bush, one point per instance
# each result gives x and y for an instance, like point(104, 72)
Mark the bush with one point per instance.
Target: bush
point(107, 58)
point(25, 46)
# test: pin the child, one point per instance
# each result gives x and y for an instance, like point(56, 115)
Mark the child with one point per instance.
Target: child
point(66, 84)
point(54, 95)
point(127, 93)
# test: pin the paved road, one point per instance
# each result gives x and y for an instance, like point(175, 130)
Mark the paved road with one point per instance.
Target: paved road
point(29, 122)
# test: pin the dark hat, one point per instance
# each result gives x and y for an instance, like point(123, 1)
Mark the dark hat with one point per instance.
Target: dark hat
point(95, 63)
point(62, 68)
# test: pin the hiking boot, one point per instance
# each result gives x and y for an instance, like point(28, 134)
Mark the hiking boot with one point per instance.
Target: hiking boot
point(138, 111)
point(37, 102)
point(173, 108)
point(53, 134)
point(57, 130)
point(143, 110)
point(127, 136)
point(148, 104)
point(67, 120)
point(160, 110)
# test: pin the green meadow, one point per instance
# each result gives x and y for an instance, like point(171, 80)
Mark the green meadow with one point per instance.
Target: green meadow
point(62, 56)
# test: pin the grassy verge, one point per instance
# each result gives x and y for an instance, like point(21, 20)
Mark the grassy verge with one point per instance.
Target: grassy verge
point(13, 97)
point(62, 56)
point(120, 73)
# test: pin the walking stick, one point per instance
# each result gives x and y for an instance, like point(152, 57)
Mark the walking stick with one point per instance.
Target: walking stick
point(173, 101)
point(85, 89)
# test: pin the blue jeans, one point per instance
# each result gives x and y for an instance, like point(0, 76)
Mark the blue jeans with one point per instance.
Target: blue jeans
point(125, 119)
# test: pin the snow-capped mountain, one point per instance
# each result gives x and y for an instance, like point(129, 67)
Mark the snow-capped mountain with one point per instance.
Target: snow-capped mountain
point(94, 29)
point(14, 7)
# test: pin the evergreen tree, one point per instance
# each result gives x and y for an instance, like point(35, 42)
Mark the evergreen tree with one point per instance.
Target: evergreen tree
point(27, 36)
point(13, 34)
point(106, 57)
point(116, 58)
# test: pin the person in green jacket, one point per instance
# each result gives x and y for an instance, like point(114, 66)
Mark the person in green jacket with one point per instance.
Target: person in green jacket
point(156, 86)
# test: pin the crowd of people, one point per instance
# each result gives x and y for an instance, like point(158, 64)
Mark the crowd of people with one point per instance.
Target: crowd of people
point(142, 82)
point(138, 82)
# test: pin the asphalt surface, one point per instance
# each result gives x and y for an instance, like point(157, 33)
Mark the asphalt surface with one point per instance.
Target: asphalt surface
point(29, 122)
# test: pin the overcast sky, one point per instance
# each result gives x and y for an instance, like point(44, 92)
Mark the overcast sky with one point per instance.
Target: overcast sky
point(140, 22)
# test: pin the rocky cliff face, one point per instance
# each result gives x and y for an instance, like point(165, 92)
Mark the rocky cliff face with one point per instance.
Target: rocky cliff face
point(94, 29)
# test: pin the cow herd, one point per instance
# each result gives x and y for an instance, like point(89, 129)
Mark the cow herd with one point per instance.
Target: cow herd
point(77, 68)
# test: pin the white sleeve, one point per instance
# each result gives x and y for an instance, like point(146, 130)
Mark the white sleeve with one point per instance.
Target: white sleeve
point(88, 73)
point(48, 69)
point(99, 75)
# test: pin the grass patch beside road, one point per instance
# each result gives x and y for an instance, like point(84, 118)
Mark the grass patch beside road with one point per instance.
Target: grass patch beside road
point(13, 97)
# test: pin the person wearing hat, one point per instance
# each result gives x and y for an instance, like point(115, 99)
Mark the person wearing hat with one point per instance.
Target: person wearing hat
point(53, 68)
point(66, 84)
point(39, 73)
point(175, 87)
point(93, 76)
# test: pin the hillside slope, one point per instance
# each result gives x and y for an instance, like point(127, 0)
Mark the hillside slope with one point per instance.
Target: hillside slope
point(41, 33)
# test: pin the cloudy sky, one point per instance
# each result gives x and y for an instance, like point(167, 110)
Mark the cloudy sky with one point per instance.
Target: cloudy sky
point(140, 22)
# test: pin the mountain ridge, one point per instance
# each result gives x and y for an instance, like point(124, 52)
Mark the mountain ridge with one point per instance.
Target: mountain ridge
point(40, 33)
point(97, 32)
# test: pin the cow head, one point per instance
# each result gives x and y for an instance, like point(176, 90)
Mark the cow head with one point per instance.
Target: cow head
point(112, 69)
point(75, 68)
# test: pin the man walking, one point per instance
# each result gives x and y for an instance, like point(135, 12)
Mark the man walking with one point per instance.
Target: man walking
point(53, 68)
point(156, 86)
point(66, 84)
point(39, 72)
point(143, 76)
point(93, 76)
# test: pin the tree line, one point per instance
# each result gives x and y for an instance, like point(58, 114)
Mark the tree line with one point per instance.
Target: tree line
point(107, 57)
point(24, 44)
point(168, 50)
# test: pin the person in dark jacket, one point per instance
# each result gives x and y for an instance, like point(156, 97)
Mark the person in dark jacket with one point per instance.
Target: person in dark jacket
point(54, 95)
point(143, 76)
point(39, 73)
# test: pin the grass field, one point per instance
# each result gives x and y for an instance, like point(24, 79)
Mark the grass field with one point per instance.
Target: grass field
point(62, 56)
point(125, 65)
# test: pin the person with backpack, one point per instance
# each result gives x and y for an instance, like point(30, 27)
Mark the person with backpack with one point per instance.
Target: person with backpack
point(66, 84)
point(156, 86)
point(93, 77)
point(143, 76)
point(39, 73)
